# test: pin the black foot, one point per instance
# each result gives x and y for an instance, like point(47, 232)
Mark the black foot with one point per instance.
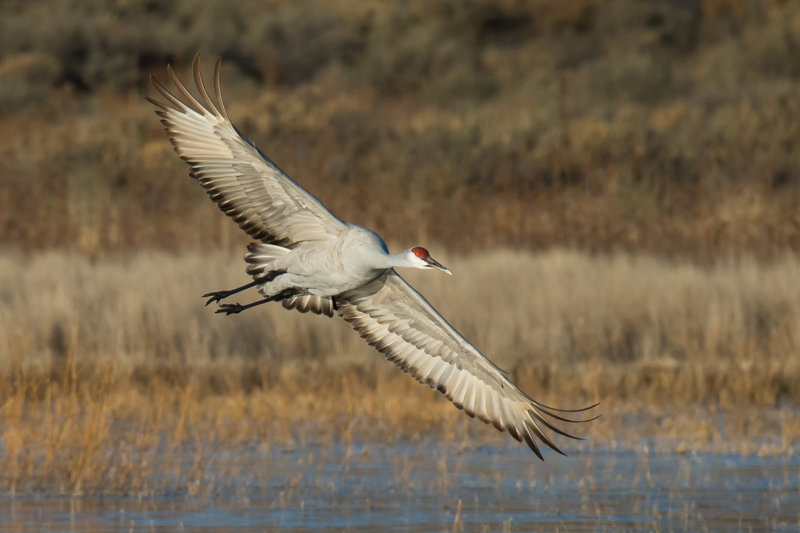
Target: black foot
point(231, 309)
point(216, 296)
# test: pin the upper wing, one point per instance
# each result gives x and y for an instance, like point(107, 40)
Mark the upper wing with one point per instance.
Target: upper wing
point(394, 318)
point(244, 183)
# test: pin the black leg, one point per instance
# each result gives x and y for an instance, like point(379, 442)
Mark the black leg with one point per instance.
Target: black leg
point(230, 309)
point(219, 295)
point(216, 296)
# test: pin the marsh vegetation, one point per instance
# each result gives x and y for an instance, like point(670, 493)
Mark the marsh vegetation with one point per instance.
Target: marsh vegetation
point(120, 369)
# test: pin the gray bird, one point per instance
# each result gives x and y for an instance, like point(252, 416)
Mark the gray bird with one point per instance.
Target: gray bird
point(306, 258)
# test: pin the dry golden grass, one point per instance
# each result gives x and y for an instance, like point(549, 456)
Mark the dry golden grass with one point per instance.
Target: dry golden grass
point(115, 378)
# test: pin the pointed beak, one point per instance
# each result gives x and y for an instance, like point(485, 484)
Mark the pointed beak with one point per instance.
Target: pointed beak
point(437, 265)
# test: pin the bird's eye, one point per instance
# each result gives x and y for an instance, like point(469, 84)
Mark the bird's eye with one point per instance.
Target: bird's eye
point(420, 252)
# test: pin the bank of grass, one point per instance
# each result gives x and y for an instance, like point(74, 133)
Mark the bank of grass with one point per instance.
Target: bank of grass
point(115, 378)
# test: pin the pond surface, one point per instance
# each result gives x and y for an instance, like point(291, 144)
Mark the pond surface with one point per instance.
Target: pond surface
point(424, 487)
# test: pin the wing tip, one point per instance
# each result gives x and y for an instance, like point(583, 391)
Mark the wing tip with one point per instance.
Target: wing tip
point(209, 109)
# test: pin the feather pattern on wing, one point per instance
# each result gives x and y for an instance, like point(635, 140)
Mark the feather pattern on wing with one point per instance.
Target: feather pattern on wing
point(394, 318)
point(244, 183)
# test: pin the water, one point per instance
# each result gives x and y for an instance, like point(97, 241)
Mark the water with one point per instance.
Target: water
point(424, 487)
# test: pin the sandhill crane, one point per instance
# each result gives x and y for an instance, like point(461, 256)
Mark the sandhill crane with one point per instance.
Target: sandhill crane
point(310, 260)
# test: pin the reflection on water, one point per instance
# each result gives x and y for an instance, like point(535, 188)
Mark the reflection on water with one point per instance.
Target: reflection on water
point(424, 487)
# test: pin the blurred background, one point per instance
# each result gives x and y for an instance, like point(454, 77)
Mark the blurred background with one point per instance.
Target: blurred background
point(661, 126)
point(614, 183)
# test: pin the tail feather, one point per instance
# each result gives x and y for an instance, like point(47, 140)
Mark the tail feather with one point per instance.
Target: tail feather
point(260, 256)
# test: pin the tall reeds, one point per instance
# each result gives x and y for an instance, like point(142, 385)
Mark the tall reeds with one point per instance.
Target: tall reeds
point(115, 377)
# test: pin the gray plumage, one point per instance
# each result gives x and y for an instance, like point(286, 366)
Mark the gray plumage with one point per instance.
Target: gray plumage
point(308, 259)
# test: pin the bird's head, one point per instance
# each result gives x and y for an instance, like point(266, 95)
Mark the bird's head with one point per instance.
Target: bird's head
point(418, 257)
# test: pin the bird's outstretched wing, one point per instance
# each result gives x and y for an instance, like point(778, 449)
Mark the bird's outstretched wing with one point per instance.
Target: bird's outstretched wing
point(244, 183)
point(394, 318)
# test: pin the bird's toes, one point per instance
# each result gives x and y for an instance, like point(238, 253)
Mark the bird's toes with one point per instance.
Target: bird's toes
point(229, 309)
point(215, 296)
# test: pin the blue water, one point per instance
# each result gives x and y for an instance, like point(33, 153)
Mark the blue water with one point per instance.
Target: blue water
point(425, 487)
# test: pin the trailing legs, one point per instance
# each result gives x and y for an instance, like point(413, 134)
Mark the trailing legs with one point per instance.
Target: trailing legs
point(216, 296)
point(230, 309)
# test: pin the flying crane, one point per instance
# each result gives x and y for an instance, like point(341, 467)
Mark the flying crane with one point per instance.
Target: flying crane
point(309, 260)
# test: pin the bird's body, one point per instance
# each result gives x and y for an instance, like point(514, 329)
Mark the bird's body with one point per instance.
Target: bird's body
point(330, 267)
point(308, 259)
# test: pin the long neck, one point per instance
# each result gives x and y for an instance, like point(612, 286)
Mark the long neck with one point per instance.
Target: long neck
point(386, 260)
